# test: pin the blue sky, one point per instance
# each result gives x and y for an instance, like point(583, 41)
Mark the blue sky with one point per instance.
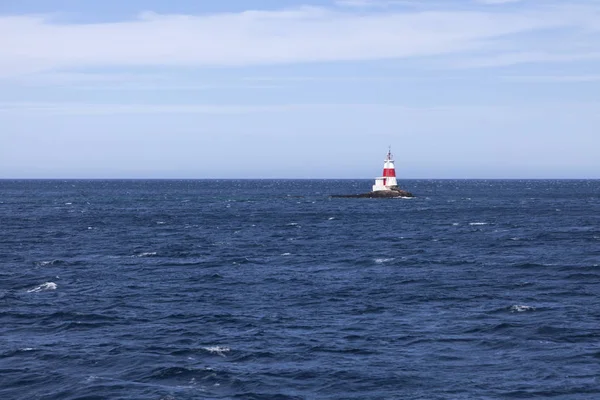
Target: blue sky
point(299, 89)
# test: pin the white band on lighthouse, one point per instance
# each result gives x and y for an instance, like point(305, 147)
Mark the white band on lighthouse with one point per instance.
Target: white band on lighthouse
point(388, 180)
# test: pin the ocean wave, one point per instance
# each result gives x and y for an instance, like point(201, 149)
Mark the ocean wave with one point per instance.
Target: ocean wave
point(521, 308)
point(46, 263)
point(43, 287)
point(219, 350)
point(146, 254)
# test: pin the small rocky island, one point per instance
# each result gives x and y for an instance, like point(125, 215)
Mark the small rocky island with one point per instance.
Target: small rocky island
point(377, 194)
point(385, 187)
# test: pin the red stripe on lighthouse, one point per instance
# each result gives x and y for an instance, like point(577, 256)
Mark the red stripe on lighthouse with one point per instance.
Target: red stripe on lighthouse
point(389, 172)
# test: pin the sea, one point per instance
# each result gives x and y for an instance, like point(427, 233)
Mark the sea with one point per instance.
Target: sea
point(271, 289)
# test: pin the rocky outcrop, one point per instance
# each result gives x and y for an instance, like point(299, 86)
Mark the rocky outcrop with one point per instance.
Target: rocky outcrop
point(380, 194)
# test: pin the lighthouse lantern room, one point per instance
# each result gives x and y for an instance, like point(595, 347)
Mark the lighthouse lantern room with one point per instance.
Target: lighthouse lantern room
point(388, 180)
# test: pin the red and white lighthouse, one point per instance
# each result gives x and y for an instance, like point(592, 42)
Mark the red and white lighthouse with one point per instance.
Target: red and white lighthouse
point(388, 180)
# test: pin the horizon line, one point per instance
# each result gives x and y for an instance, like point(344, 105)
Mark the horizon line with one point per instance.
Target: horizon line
point(286, 179)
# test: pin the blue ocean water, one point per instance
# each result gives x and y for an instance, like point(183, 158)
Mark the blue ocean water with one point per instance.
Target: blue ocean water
point(272, 290)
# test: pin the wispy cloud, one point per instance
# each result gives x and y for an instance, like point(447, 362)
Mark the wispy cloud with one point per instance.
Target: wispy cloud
point(33, 43)
point(553, 78)
point(133, 81)
point(508, 59)
point(39, 108)
point(63, 108)
point(494, 2)
point(379, 3)
point(472, 111)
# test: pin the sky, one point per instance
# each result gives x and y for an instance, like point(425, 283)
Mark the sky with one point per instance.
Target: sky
point(201, 89)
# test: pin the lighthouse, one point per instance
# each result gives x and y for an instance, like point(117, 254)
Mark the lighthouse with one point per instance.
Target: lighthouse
point(385, 187)
point(388, 180)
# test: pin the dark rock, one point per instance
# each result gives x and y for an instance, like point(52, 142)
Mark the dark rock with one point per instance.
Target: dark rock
point(381, 194)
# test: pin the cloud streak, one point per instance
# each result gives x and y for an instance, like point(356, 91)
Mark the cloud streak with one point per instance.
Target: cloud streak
point(41, 108)
point(553, 78)
point(496, 2)
point(504, 113)
point(508, 59)
point(33, 43)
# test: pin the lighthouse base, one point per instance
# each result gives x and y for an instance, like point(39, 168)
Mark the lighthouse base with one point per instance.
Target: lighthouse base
point(378, 194)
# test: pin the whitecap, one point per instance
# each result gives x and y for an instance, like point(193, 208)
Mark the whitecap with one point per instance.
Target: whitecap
point(286, 254)
point(521, 308)
point(292, 224)
point(147, 254)
point(27, 349)
point(330, 218)
point(43, 287)
point(478, 223)
point(455, 224)
point(68, 204)
point(383, 260)
point(160, 222)
point(44, 263)
point(220, 350)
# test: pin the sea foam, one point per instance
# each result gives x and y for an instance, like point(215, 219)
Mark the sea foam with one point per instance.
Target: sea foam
point(44, 263)
point(43, 287)
point(220, 350)
point(147, 254)
point(521, 308)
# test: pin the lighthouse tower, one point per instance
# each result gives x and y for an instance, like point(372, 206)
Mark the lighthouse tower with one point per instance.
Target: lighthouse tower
point(388, 180)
